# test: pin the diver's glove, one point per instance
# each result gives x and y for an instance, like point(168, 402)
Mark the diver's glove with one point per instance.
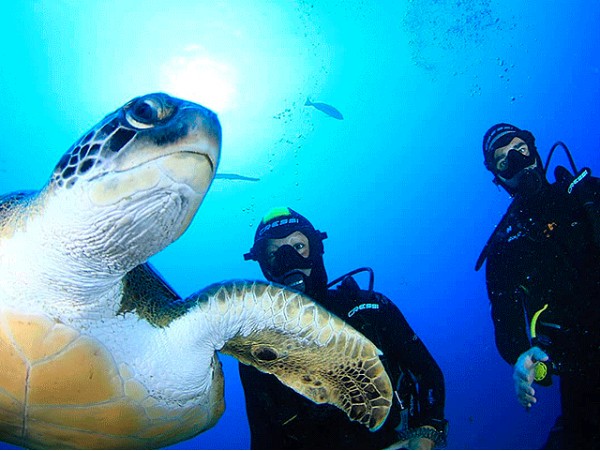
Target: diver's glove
point(524, 375)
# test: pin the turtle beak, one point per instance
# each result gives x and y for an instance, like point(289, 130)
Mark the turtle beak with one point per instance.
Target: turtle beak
point(195, 170)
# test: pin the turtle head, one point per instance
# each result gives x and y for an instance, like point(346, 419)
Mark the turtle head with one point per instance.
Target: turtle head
point(131, 185)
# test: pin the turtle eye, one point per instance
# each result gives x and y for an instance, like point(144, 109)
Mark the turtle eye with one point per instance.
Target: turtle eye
point(264, 353)
point(147, 111)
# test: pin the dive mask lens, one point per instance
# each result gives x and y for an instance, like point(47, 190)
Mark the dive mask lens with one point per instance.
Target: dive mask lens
point(515, 163)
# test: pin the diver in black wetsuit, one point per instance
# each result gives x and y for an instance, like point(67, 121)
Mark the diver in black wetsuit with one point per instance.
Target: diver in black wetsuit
point(290, 251)
point(543, 281)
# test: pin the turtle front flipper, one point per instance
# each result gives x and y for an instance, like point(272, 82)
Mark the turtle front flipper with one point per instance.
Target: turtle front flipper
point(285, 333)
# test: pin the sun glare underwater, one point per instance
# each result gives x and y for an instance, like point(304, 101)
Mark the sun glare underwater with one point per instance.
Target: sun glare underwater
point(393, 173)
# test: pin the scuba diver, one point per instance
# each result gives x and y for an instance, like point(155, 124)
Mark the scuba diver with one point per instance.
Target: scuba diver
point(543, 281)
point(290, 251)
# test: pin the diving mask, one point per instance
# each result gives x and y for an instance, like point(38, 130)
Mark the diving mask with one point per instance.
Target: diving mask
point(514, 163)
point(288, 267)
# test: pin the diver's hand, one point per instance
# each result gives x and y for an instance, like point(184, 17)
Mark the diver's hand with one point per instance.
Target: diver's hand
point(420, 443)
point(523, 375)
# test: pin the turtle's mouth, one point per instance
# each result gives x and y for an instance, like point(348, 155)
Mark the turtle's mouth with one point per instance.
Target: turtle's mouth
point(197, 153)
point(194, 169)
point(188, 172)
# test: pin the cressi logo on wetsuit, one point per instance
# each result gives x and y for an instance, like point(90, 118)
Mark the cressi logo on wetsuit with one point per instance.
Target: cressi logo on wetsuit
point(360, 307)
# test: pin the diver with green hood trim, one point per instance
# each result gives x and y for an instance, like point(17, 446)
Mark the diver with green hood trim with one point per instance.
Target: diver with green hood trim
point(290, 251)
point(543, 281)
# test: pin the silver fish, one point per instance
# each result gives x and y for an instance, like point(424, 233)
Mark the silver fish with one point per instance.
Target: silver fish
point(235, 177)
point(325, 108)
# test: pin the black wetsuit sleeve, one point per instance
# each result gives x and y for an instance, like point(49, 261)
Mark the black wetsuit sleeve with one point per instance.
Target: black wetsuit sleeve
point(586, 189)
point(404, 347)
point(588, 192)
point(508, 315)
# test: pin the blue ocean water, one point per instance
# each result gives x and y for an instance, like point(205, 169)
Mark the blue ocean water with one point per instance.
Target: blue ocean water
point(398, 184)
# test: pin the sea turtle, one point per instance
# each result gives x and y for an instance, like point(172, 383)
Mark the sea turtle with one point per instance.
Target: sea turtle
point(96, 350)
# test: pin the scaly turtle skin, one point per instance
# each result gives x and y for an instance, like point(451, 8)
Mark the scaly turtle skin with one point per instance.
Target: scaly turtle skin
point(97, 351)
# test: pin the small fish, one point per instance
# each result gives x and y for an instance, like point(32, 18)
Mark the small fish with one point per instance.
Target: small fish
point(327, 109)
point(235, 177)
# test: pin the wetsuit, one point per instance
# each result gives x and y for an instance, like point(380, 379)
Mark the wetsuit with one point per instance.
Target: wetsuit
point(280, 418)
point(546, 251)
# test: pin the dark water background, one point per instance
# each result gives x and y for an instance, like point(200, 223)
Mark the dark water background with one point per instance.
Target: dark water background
point(399, 184)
